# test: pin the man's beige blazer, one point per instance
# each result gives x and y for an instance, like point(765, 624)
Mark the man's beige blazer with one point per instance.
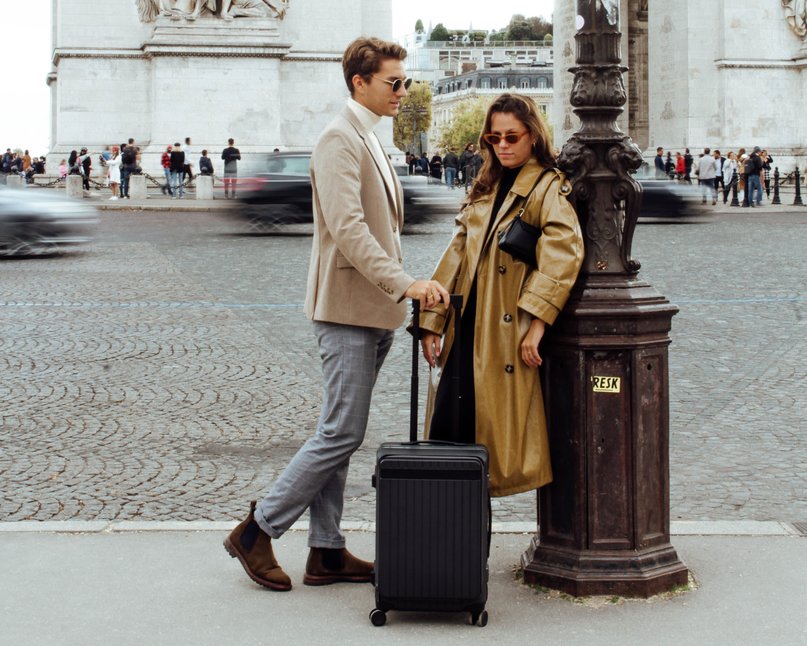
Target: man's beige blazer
point(356, 275)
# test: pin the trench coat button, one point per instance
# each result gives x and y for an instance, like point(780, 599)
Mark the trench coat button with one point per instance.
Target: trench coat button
point(395, 229)
point(502, 269)
point(509, 368)
point(507, 318)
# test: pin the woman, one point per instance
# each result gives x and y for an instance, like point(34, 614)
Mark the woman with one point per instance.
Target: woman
point(113, 166)
point(506, 302)
point(729, 172)
point(436, 167)
point(165, 162)
point(680, 166)
point(73, 166)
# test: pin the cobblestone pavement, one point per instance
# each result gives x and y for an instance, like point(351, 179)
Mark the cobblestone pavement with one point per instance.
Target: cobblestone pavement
point(168, 373)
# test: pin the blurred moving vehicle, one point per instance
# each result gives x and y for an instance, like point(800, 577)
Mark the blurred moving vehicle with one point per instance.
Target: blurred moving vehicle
point(38, 221)
point(281, 195)
point(667, 198)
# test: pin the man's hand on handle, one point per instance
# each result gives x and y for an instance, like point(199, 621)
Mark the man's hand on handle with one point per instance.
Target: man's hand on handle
point(428, 292)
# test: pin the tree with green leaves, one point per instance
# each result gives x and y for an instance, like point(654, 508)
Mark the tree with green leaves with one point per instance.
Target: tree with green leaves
point(469, 116)
point(439, 33)
point(414, 117)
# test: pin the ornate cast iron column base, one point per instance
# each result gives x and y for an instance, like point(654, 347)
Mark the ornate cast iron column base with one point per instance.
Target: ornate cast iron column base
point(604, 520)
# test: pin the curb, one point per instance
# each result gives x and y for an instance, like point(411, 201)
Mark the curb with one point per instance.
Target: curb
point(677, 528)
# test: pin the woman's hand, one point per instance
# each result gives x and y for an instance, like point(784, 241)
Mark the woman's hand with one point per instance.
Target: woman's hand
point(530, 343)
point(430, 342)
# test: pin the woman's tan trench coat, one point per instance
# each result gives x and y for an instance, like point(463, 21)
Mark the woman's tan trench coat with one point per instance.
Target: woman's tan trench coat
point(510, 418)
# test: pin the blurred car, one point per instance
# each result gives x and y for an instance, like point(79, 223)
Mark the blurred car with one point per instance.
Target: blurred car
point(37, 221)
point(281, 194)
point(666, 198)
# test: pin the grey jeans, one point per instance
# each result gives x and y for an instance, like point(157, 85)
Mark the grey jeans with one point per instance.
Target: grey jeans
point(315, 477)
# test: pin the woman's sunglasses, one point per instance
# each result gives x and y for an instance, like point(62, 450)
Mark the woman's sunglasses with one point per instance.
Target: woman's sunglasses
point(397, 83)
point(510, 138)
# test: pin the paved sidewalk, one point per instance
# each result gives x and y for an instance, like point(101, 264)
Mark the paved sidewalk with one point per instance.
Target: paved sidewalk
point(161, 587)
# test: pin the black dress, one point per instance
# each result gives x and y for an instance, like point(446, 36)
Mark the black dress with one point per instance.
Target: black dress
point(442, 425)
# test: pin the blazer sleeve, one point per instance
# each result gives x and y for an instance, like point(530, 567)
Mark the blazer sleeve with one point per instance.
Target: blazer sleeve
point(560, 254)
point(337, 174)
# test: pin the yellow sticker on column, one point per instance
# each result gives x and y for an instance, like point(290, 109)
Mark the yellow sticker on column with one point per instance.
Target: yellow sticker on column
point(607, 384)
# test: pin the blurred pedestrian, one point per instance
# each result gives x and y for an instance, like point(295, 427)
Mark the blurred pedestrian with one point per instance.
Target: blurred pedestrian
point(719, 161)
point(205, 165)
point(86, 168)
point(230, 155)
point(767, 164)
point(188, 160)
point(680, 167)
point(451, 164)
point(113, 165)
point(165, 162)
point(177, 171)
point(688, 161)
point(753, 170)
point(729, 175)
point(465, 159)
point(436, 167)
point(706, 171)
point(669, 166)
point(63, 169)
point(128, 166)
point(659, 163)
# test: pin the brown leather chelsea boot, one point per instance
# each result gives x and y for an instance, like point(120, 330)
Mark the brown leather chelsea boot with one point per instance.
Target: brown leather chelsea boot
point(326, 566)
point(253, 547)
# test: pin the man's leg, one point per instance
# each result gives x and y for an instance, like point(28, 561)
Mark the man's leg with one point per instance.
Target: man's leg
point(315, 477)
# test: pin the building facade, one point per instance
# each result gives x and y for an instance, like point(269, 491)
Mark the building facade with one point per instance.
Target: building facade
point(268, 74)
point(719, 74)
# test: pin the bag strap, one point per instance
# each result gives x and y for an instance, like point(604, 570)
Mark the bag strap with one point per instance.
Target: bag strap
point(534, 186)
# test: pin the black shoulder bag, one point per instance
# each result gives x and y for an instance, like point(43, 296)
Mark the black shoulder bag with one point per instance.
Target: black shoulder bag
point(520, 238)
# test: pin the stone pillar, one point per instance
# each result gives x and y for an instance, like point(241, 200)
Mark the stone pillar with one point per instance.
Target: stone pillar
point(14, 181)
point(75, 187)
point(204, 187)
point(604, 522)
point(137, 187)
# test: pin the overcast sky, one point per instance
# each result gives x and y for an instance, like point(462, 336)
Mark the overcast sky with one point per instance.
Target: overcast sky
point(27, 48)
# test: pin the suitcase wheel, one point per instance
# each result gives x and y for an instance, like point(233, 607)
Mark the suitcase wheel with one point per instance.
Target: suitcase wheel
point(479, 618)
point(378, 617)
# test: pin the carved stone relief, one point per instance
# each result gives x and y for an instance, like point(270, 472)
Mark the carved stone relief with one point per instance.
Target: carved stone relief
point(150, 10)
point(796, 16)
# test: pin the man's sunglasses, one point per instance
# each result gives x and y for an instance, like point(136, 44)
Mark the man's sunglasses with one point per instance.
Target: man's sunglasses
point(397, 83)
point(510, 138)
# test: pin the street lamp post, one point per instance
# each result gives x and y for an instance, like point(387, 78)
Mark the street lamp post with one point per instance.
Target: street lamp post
point(604, 521)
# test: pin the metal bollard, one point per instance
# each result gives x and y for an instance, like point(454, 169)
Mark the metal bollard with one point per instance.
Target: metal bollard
point(797, 201)
point(776, 199)
point(735, 180)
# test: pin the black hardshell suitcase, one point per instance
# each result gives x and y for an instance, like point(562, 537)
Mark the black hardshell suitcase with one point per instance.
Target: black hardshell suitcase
point(432, 519)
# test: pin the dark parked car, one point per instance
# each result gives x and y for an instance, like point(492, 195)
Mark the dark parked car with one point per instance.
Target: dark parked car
point(38, 221)
point(281, 194)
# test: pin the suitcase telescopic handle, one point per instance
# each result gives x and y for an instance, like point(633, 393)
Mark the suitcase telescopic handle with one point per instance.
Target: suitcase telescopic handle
point(456, 305)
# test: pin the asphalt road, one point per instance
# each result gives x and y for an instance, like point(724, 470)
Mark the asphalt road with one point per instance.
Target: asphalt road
point(168, 373)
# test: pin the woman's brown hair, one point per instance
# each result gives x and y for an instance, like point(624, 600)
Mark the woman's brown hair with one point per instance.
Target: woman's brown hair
point(524, 109)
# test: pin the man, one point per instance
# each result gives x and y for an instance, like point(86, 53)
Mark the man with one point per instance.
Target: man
point(86, 168)
point(178, 159)
point(707, 171)
point(451, 163)
point(719, 161)
point(659, 161)
point(688, 160)
point(230, 155)
point(128, 164)
point(753, 168)
point(355, 296)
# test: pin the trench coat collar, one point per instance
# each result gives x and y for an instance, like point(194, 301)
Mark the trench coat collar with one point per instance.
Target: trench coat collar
point(364, 133)
point(525, 180)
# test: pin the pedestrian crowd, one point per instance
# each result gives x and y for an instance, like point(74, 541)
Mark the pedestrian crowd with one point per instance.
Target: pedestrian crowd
point(717, 173)
point(119, 162)
point(456, 171)
point(21, 163)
